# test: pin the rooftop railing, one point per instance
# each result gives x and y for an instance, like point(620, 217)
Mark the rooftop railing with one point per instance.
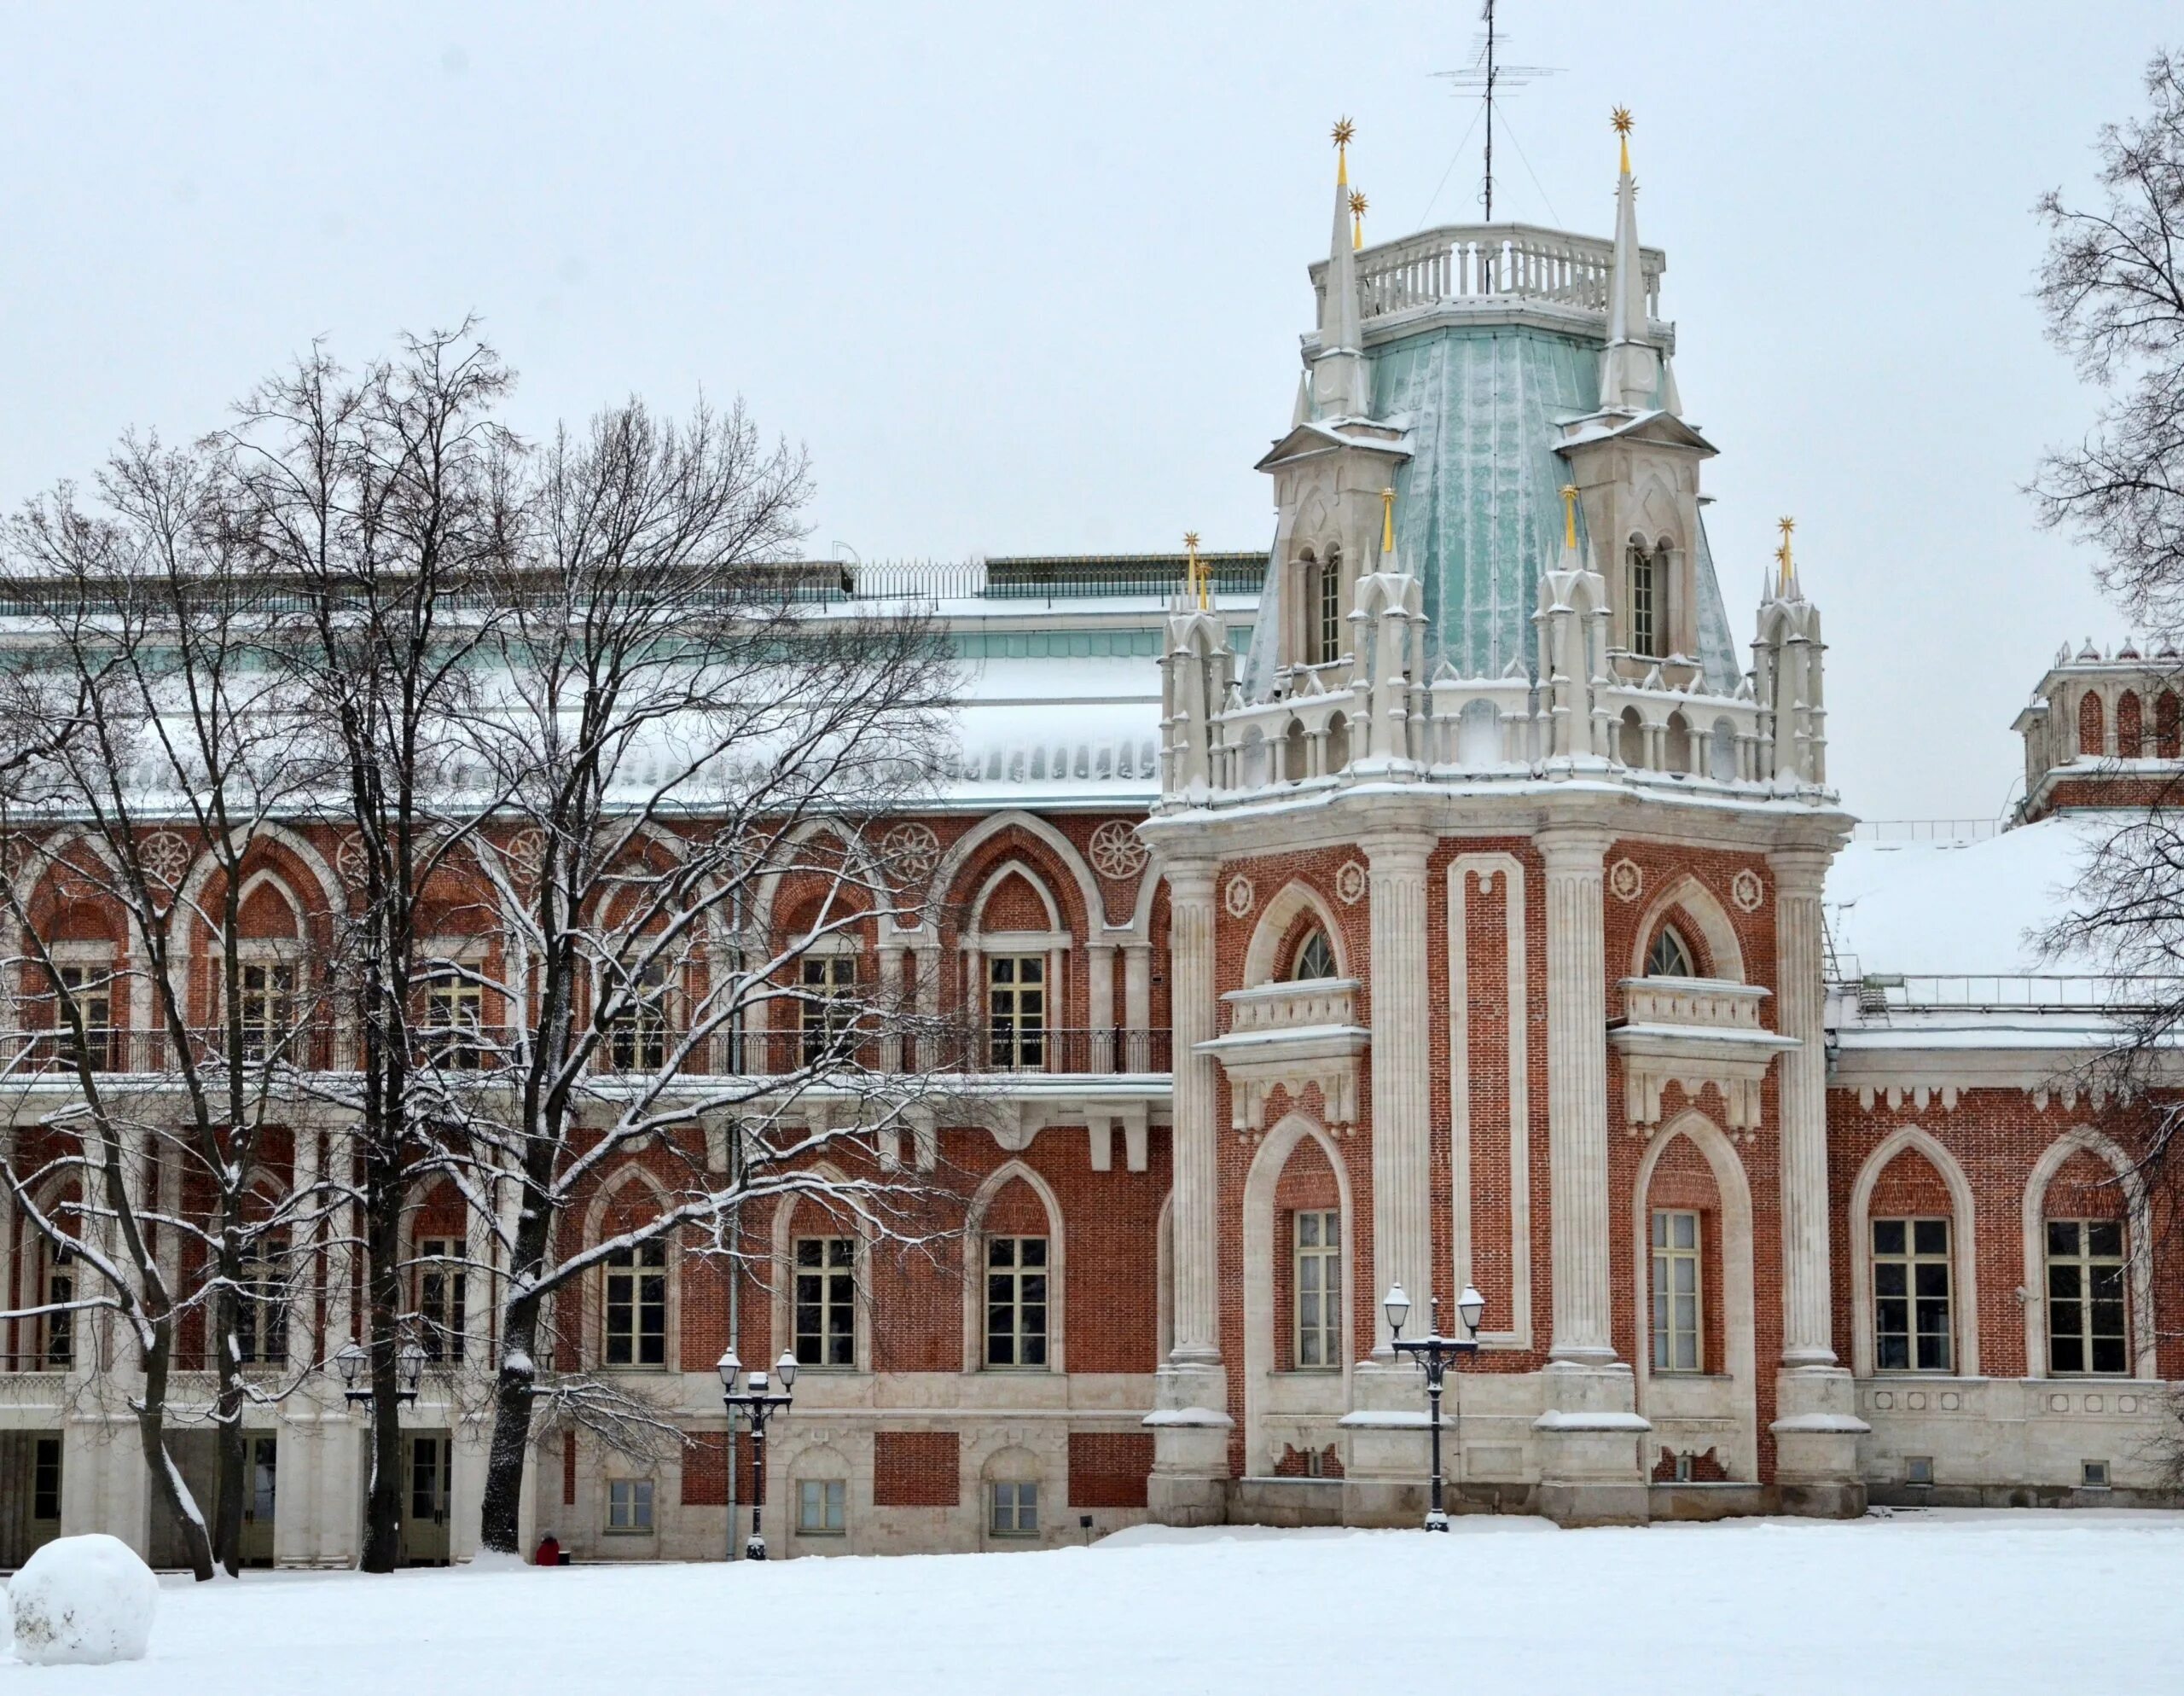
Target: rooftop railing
point(1486, 265)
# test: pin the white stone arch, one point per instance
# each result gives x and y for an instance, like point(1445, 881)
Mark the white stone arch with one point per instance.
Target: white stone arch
point(206, 866)
point(1073, 864)
point(1260, 1184)
point(974, 926)
point(1739, 1343)
point(611, 1191)
point(974, 1261)
point(2138, 1271)
point(813, 1455)
point(1716, 933)
point(1963, 1250)
point(766, 899)
point(1260, 962)
point(1148, 887)
point(854, 1221)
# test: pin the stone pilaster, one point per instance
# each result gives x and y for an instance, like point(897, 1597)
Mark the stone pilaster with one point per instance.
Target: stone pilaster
point(1591, 1437)
point(1816, 1428)
point(1402, 1132)
point(1191, 1423)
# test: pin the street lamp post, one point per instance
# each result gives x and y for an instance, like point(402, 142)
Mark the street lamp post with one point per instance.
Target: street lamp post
point(350, 1360)
point(758, 1403)
point(1437, 1354)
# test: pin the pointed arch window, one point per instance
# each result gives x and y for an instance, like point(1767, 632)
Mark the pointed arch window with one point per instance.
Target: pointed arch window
point(1671, 956)
point(1314, 957)
point(1326, 632)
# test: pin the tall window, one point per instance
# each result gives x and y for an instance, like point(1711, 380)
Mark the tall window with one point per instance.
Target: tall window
point(1669, 957)
point(1016, 1010)
point(2085, 1296)
point(822, 1507)
point(1016, 1301)
point(1645, 601)
point(639, 1039)
point(265, 1006)
point(1678, 1345)
point(45, 1478)
point(443, 1297)
point(1318, 1288)
point(91, 989)
point(59, 1347)
point(1012, 1509)
point(828, 1009)
point(1912, 1328)
point(1314, 957)
point(826, 1301)
point(454, 1017)
point(637, 1305)
point(262, 1302)
point(1327, 633)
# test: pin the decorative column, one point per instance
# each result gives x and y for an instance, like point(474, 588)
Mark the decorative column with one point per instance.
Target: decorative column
point(1591, 1440)
point(1576, 1095)
point(1191, 1423)
point(1402, 1136)
point(1100, 1005)
point(1197, 1122)
point(1816, 1428)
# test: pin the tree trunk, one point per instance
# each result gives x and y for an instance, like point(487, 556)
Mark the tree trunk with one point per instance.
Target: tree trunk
point(227, 1424)
point(167, 1486)
point(500, 1520)
point(383, 1278)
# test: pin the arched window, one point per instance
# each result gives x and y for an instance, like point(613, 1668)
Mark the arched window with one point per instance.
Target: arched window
point(2092, 723)
point(1669, 957)
point(1645, 598)
point(1327, 647)
point(1314, 957)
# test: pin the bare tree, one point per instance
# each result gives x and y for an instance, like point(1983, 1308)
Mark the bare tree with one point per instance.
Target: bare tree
point(2112, 290)
point(161, 749)
point(681, 735)
point(380, 500)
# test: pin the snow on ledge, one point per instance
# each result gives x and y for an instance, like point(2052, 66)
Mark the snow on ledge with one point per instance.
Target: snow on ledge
point(1845, 1423)
point(1210, 1417)
point(1555, 1420)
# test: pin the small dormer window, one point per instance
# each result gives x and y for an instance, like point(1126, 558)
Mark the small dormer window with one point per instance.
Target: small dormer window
point(1670, 955)
point(1315, 958)
point(1645, 598)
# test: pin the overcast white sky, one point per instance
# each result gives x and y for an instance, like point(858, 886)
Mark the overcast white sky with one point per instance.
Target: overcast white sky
point(1029, 279)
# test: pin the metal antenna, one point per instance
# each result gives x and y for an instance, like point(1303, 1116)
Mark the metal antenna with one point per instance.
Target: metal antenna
point(1486, 76)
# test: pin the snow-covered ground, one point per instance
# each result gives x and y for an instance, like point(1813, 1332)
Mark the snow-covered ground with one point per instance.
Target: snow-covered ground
point(1994, 1603)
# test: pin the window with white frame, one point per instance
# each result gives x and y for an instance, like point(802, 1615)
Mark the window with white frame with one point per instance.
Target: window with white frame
point(822, 1507)
point(1645, 601)
point(1671, 956)
point(443, 1297)
point(1316, 1237)
point(1016, 1010)
point(629, 1507)
point(262, 1295)
point(1326, 644)
point(1314, 958)
point(1913, 1329)
point(827, 1010)
point(454, 1016)
point(637, 1040)
point(89, 991)
point(57, 1326)
point(2086, 1329)
point(635, 1282)
point(826, 1301)
point(1016, 1301)
point(1012, 1507)
point(1678, 1343)
point(265, 1004)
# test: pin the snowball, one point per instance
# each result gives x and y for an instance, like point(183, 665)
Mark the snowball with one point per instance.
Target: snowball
point(87, 1599)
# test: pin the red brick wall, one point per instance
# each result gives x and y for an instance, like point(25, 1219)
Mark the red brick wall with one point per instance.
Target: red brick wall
point(1109, 1469)
point(916, 1469)
point(705, 1469)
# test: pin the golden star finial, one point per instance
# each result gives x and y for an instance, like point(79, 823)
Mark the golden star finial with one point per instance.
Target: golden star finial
point(1343, 130)
point(1358, 204)
point(1569, 493)
point(1622, 120)
point(1387, 520)
point(1195, 574)
point(1786, 525)
point(1190, 540)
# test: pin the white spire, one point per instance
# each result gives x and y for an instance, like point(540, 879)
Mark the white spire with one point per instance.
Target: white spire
point(1630, 369)
point(1339, 374)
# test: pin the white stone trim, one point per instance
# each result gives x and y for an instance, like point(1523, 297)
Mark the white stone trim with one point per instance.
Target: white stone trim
point(1964, 1250)
point(974, 1329)
point(1261, 965)
point(1705, 911)
point(782, 1295)
point(1260, 1184)
point(1517, 1333)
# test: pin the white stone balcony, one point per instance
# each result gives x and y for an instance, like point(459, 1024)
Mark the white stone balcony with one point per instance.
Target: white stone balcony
point(1693, 1031)
point(1291, 1035)
point(1481, 268)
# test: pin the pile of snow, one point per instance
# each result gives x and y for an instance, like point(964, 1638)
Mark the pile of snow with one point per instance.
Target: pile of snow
point(86, 1601)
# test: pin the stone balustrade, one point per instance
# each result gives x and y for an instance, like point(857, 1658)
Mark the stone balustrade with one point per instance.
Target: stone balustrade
point(1481, 264)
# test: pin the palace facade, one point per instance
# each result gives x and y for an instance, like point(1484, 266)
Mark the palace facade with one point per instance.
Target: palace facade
point(1448, 896)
